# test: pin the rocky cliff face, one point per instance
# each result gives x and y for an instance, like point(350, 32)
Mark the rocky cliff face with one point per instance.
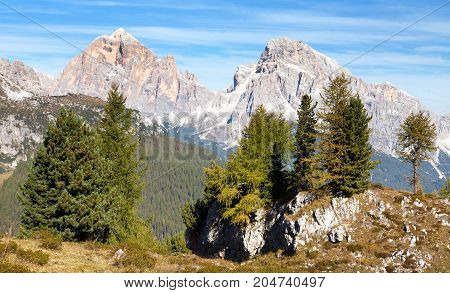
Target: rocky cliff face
point(411, 230)
point(281, 227)
point(19, 81)
point(24, 122)
point(151, 84)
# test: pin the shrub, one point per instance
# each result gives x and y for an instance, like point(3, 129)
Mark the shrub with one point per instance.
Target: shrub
point(390, 269)
point(48, 239)
point(176, 244)
point(6, 267)
point(9, 247)
point(194, 214)
point(36, 257)
point(354, 247)
point(137, 257)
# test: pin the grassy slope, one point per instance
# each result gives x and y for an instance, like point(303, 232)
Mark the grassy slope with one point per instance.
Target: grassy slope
point(374, 243)
point(5, 176)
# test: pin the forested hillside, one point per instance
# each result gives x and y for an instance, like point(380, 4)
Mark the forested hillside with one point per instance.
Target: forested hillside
point(10, 207)
point(173, 176)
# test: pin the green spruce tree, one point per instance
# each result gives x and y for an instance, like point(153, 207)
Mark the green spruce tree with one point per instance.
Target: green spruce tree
point(357, 160)
point(344, 146)
point(416, 140)
point(67, 188)
point(278, 176)
point(119, 144)
point(305, 142)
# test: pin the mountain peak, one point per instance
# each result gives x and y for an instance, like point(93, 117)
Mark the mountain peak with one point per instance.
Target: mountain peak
point(287, 48)
point(122, 34)
point(283, 41)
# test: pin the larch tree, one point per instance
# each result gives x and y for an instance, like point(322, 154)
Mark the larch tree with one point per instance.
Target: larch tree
point(251, 178)
point(416, 142)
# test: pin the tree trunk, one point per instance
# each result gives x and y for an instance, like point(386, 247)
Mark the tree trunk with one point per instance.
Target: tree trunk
point(415, 179)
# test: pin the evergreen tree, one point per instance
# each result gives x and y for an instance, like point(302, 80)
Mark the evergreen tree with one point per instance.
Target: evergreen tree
point(67, 189)
point(344, 146)
point(119, 145)
point(357, 160)
point(445, 191)
point(305, 142)
point(416, 140)
point(277, 176)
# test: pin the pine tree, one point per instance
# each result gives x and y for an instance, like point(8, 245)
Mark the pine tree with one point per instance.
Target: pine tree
point(416, 140)
point(119, 145)
point(67, 189)
point(305, 142)
point(344, 146)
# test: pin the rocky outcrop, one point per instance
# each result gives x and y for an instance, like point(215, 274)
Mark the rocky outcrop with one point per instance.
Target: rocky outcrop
point(284, 227)
point(380, 230)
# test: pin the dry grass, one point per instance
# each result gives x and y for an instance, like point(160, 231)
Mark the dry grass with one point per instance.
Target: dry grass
point(4, 176)
point(374, 241)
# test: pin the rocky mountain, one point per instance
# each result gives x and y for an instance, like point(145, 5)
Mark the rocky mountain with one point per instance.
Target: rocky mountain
point(23, 122)
point(395, 231)
point(286, 70)
point(289, 69)
point(19, 81)
point(152, 85)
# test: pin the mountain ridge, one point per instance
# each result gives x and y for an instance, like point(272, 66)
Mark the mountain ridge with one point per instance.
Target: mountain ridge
point(286, 70)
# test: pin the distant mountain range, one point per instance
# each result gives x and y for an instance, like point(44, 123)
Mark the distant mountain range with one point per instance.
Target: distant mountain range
point(286, 70)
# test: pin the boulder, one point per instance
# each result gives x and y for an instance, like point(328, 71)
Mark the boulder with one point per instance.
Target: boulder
point(337, 234)
point(119, 254)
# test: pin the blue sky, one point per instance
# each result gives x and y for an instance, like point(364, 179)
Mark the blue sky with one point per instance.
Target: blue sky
point(211, 38)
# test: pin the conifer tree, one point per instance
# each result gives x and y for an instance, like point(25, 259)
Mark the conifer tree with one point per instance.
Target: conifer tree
point(277, 176)
point(305, 142)
point(445, 191)
point(67, 189)
point(246, 184)
point(119, 145)
point(357, 160)
point(344, 146)
point(416, 140)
